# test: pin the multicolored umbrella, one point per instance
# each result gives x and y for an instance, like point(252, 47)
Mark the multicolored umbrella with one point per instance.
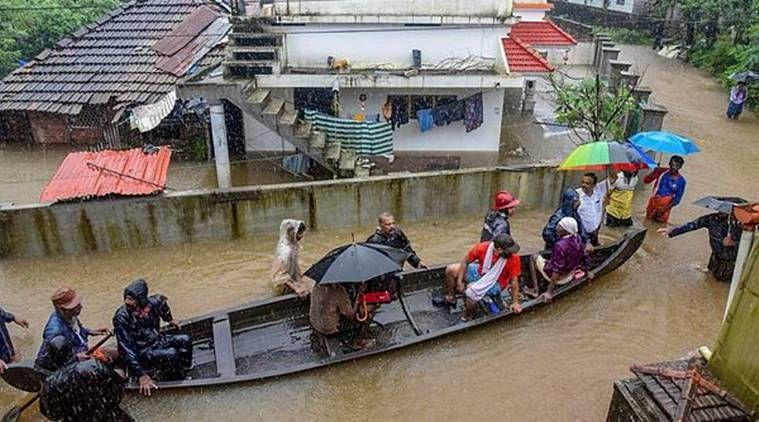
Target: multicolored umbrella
point(665, 142)
point(600, 156)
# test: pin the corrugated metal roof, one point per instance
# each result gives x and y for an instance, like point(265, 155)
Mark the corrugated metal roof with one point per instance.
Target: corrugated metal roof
point(96, 174)
point(541, 33)
point(522, 58)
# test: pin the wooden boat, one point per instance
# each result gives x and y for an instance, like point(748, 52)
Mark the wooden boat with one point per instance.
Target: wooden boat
point(272, 337)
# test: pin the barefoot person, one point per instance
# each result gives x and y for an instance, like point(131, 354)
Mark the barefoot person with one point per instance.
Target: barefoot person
point(286, 274)
point(7, 352)
point(142, 345)
point(487, 269)
point(567, 257)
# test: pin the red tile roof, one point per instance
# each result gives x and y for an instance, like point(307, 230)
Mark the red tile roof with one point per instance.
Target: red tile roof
point(532, 6)
point(541, 33)
point(522, 58)
point(94, 174)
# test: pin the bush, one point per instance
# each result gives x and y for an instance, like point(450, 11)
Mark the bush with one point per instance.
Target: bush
point(626, 35)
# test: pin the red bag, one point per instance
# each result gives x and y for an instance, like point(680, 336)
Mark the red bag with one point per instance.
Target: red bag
point(376, 297)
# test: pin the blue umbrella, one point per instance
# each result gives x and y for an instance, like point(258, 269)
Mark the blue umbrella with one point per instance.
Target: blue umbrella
point(664, 142)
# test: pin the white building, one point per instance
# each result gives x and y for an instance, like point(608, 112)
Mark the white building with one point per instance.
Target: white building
point(632, 7)
point(417, 55)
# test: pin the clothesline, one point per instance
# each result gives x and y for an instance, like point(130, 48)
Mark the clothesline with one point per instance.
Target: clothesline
point(469, 109)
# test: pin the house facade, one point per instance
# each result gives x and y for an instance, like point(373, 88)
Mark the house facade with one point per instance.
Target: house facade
point(116, 78)
point(412, 78)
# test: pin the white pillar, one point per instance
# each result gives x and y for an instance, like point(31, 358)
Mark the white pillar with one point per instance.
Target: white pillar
point(220, 147)
point(744, 247)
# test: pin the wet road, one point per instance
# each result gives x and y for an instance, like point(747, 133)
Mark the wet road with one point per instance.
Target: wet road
point(554, 364)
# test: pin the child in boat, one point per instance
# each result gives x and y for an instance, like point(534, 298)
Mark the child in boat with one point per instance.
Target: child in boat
point(286, 274)
point(567, 257)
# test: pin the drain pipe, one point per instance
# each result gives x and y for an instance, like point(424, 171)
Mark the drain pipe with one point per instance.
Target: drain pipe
point(747, 241)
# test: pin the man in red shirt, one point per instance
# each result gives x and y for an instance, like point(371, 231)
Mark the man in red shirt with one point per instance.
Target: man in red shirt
point(487, 268)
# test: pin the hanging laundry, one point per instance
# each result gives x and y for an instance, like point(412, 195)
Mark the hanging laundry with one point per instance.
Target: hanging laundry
point(425, 118)
point(400, 111)
point(365, 138)
point(446, 113)
point(473, 112)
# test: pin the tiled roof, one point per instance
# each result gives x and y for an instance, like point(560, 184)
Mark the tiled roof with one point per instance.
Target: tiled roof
point(532, 6)
point(522, 58)
point(112, 59)
point(94, 174)
point(541, 33)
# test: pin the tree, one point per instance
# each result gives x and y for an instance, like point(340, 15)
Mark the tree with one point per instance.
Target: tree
point(30, 27)
point(590, 109)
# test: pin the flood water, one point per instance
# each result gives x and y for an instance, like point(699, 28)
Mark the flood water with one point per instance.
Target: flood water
point(556, 364)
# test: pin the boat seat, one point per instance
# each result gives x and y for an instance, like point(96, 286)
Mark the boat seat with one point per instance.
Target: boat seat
point(223, 347)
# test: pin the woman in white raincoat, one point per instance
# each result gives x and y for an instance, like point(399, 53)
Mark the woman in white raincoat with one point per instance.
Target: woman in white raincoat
point(286, 274)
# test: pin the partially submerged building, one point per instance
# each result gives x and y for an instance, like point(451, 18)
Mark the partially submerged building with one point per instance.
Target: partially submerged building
point(115, 78)
point(412, 80)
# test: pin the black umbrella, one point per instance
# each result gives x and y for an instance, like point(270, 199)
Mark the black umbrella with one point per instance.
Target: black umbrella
point(720, 203)
point(747, 76)
point(357, 263)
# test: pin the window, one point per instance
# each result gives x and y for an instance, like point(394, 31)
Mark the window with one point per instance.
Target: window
point(421, 102)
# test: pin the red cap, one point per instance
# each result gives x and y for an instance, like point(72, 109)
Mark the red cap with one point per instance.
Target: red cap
point(66, 298)
point(504, 200)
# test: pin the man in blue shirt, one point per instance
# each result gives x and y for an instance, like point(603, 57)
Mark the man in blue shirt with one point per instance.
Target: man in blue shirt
point(64, 321)
point(669, 190)
point(7, 352)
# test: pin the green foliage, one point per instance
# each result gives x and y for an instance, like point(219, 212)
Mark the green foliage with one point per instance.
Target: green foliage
point(31, 26)
point(591, 109)
point(199, 149)
point(626, 36)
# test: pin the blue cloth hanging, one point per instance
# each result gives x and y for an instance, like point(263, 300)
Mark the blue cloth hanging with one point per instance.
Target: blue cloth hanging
point(426, 119)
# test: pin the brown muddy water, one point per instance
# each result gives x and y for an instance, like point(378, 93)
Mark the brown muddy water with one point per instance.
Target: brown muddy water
point(555, 364)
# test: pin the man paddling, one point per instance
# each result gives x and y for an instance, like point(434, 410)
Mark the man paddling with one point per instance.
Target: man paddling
point(64, 321)
point(142, 345)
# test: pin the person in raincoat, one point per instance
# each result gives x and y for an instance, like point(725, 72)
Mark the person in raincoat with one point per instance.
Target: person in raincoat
point(83, 391)
point(7, 352)
point(142, 345)
point(286, 274)
point(389, 234)
point(570, 201)
point(724, 236)
point(64, 321)
point(497, 219)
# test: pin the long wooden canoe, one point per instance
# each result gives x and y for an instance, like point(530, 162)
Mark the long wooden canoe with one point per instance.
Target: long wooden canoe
point(272, 337)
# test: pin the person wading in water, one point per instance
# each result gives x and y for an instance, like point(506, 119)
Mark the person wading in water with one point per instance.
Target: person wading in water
point(286, 274)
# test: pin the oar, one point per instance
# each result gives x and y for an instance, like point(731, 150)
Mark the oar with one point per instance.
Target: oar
point(15, 412)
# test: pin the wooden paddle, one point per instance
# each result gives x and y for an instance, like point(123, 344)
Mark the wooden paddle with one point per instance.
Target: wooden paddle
point(15, 412)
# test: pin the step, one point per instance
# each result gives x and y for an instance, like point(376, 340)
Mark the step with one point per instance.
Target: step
point(252, 63)
point(274, 108)
point(253, 39)
point(289, 118)
point(258, 98)
point(303, 130)
point(247, 69)
point(252, 49)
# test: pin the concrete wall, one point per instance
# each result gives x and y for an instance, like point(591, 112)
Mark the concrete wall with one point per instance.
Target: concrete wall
point(623, 6)
point(387, 46)
point(103, 225)
point(394, 7)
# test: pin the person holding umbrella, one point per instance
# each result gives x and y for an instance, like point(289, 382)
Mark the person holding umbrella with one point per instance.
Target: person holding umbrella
point(724, 234)
point(668, 189)
point(738, 97)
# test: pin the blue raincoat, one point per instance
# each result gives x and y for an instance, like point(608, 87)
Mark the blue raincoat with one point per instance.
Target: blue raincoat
point(566, 209)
